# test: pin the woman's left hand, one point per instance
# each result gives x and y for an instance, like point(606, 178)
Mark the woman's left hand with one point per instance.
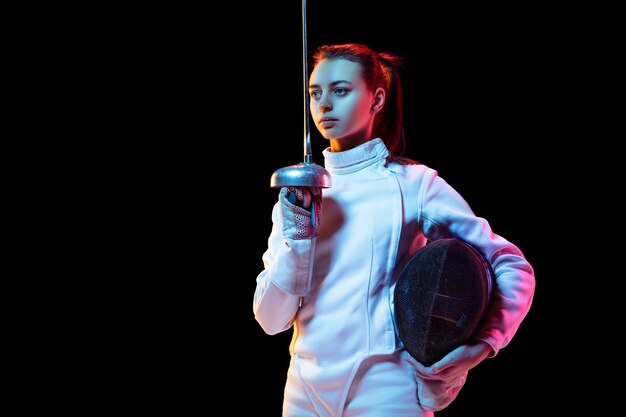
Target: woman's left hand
point(456, 363)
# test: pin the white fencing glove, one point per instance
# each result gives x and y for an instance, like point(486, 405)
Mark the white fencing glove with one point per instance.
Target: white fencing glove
point(301, 208)
point(435, 392)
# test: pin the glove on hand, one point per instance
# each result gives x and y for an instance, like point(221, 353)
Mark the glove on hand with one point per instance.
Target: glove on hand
point(301, 208)
point(436, 392)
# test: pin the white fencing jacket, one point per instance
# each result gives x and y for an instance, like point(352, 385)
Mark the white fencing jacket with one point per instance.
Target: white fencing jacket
point(337, 289)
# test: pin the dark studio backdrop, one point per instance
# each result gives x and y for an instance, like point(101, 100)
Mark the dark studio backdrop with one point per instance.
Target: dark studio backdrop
point(476, 109)
point(480, 88)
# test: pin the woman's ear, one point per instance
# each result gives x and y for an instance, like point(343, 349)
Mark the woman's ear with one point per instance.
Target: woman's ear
point(379, 100)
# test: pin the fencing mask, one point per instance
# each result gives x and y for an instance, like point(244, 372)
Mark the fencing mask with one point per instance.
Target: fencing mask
point(441, 298)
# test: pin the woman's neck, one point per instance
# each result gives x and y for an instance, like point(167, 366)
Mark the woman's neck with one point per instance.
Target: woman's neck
point(349, 142)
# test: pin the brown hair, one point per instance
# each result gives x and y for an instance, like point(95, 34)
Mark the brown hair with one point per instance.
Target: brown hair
point(379, 70)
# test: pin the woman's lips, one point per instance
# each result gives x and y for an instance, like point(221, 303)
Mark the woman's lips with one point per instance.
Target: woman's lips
point(327, 123)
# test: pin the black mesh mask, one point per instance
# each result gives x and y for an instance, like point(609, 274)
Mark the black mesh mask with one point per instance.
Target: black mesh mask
point(441, 298)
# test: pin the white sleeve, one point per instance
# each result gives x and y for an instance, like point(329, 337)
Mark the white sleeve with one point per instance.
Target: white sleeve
point(286, 278)
point(443, 214)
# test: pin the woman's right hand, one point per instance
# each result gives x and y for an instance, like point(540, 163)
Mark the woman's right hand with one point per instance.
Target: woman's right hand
point(301, 209)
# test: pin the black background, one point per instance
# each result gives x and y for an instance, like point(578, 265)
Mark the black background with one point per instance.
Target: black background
point(486, 94)
point(478, 92)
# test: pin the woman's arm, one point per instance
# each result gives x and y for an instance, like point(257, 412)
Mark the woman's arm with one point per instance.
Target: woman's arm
point(288, 262)
point(444, 214)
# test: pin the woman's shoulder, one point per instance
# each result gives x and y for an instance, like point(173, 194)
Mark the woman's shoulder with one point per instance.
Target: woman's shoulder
point(410, 167)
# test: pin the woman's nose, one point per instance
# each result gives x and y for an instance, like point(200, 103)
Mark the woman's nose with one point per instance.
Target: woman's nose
point(325, 104)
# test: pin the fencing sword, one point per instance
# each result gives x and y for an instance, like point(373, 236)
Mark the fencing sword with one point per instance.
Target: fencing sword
point(307, 173)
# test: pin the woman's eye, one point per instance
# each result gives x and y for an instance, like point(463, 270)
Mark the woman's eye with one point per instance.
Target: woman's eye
point(340, 91)
point(315, 94)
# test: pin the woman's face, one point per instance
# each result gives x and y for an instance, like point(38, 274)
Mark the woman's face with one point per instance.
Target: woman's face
point(341, 104)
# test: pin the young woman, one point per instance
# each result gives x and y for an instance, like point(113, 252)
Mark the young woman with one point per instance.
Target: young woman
point(333, 277)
